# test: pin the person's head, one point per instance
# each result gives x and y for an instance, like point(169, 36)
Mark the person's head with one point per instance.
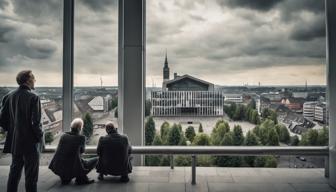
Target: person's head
point(77, 125)
point(26, 78)
point(110, 127)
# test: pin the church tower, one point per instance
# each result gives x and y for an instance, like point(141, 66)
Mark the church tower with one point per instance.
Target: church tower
point(166, 69)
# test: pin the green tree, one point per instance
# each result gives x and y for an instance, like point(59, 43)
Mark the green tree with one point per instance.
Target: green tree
point(227, 161)
point(265, 113)
point(266, 161)
point(265, 128)
point(116, 112)
point(252, 104)
point(202, 139)
point(218, 132)
point(154, 160)
point(88, 125)
point(312, 137)
point(237, 113)
point(271, 161)
point(48, 137)
point(323, 137)
point(164, 130)
point(238, 136)
point(255, 119)
point(181, 160)
point(200, 128)
point(250, 140)
point(114, 102)
point(148, 107)
point(294, 140)
point(149, 131)
point(283, 133)
point(174, 135)
point(274, 117)
point(273, 138)
point(260, 161)
point(190, 133)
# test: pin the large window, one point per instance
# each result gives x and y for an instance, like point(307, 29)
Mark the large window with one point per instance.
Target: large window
point(95, 64)
point(237, 73)
point(31, 38)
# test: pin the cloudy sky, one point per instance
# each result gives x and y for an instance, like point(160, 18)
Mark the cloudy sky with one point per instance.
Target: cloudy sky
point(226, 42)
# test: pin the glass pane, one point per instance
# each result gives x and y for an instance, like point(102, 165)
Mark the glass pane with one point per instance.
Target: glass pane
point(246, 73)
point(31, 38)
point(96, 61)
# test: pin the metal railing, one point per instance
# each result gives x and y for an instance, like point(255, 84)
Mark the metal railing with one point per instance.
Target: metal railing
point(217, 151)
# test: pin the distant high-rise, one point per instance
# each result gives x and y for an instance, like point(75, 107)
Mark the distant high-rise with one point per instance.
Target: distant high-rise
point(166, 69)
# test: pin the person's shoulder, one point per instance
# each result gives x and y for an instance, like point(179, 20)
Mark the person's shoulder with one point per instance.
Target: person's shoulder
point(124, 136)
point(33, 95)
point(9, 94)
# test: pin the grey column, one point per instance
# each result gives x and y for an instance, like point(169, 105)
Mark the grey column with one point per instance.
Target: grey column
point(68, 45)
point(331, 82)
point(131, 71)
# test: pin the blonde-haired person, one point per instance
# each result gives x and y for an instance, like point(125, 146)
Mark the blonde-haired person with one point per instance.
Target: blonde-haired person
point(67, 162)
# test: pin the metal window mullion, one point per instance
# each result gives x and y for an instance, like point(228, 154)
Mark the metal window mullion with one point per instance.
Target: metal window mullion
point(68, 65)
point(331, 83)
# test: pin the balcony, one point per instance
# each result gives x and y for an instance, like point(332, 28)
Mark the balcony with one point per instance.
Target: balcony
point(209, 179)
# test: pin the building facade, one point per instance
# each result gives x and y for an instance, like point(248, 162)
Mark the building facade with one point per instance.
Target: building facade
point(186, 96)
point(309, 110)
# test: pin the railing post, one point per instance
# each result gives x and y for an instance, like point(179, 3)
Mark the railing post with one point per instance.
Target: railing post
point(326, 166)
point(193, 169)
point(171, 157)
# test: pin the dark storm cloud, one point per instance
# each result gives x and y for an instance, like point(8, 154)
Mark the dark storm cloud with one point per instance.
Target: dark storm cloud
point(5, 31)
point(40, 48)
point(100, 4)
point(3, 4)
point(261, 5)
point(307, 31)
point(38, 10)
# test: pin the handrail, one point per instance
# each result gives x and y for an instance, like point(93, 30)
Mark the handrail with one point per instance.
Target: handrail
point(218, 150)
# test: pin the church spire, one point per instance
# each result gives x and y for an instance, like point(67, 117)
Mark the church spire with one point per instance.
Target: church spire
point(166, 69)
point(166, 60)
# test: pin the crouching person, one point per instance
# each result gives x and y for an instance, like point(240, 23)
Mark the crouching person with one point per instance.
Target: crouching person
point(114, 154)
point(67, 162)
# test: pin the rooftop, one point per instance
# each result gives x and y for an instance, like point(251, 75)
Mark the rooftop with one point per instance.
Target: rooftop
point(209, 179)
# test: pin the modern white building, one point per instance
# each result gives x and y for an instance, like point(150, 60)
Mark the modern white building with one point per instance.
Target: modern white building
point(186, 96)
point(309, 110)
point(321, 112)
point(234, 98)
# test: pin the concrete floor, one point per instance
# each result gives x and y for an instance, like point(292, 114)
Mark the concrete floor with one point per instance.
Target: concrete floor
point(211, 179)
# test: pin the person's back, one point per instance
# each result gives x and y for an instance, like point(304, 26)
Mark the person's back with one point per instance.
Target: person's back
point(114, 155)
point(23, 135)
point(20, 116)
point(66, 162)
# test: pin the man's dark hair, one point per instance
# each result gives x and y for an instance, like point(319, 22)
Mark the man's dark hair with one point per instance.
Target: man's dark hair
point(23, 76)
point(109, 127)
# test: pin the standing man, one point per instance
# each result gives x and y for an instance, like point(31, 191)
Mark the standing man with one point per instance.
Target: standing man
point(20, 117)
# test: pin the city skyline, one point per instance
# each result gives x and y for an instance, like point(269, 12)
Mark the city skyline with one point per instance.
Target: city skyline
point(226, 42)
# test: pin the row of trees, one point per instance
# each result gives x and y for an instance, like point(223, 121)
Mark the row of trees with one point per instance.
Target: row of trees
point(243, 113)
point(221, 135)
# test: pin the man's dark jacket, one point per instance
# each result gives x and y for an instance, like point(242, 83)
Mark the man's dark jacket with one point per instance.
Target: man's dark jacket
point(67, 162)
point(20, 116)
point(113, 151)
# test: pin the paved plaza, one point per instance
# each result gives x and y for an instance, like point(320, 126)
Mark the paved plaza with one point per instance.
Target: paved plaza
point(209, 179)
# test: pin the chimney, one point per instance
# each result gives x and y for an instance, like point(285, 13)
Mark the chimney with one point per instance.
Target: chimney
point(175, 75)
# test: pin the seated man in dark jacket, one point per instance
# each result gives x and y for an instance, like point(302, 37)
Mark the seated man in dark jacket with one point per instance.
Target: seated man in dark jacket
point(67, 162)
point(114, 154)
